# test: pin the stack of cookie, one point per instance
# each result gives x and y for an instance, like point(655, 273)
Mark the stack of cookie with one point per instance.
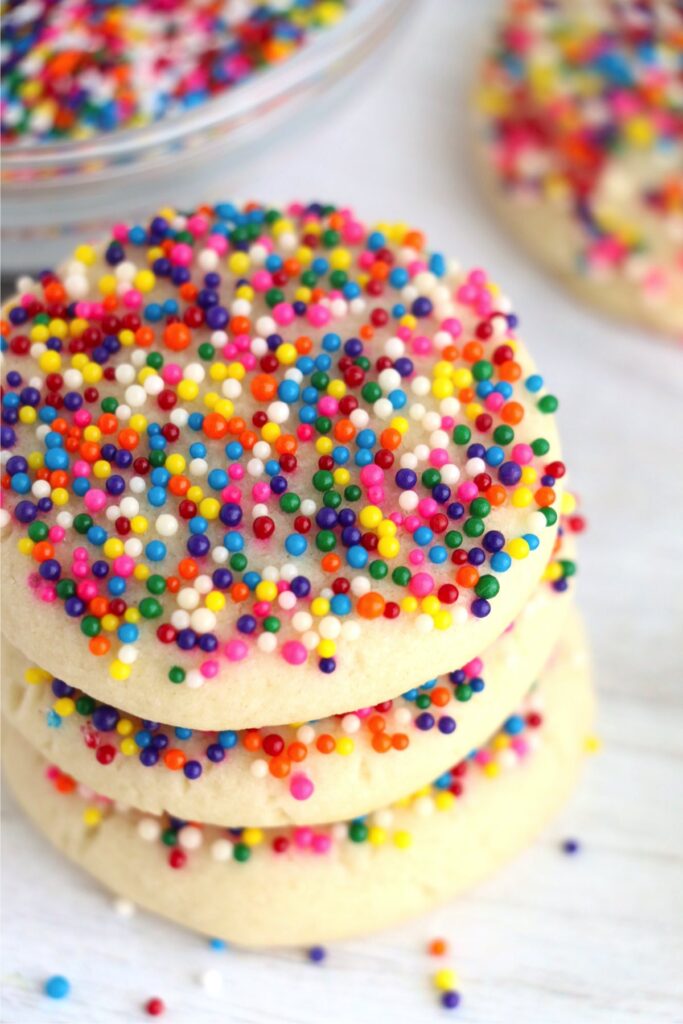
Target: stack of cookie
point(264, 467)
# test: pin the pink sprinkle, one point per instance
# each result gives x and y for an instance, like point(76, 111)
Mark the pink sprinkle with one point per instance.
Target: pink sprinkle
point(261, 491)
point(261, 281)
point(318, 315)
point(123, 565)
point(80, 555)
point(81, 468)
point(236, 471)
point(416, 557)
point(294, 652)
point(47, 593)
point(132, 298)
point(232, 494)
point(303, 837)
point(371, 474)
point(522, 454)
point(353, 232)
point(236, 650)
point(376, 495)
point(209, 669)
point(321, 843)
point(283, 314)
point(197, 224)
point(181, 254)
point(427, 507)
point(453, 326)
point(172, 373)
point(218, 243)
point(422, 346)
point(82, 418)
point(468, 490)
point(95, 499)
point(421, 584)
point(301, 787)
point(494, 402)
point(328, 406)
point(57, 534)
point(473, 668)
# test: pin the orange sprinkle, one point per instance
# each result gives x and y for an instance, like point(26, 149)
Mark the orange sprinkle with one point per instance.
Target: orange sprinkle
point(371, 605)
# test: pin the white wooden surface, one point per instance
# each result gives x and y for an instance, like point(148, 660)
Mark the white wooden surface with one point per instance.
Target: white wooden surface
point(554, 939)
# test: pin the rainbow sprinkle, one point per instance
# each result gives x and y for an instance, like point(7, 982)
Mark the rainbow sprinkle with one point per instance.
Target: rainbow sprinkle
point(511, 745)
point(243, 429)
point(73, 69)
point(583, 110)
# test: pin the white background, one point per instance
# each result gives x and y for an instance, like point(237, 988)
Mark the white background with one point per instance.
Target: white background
point(553, 939)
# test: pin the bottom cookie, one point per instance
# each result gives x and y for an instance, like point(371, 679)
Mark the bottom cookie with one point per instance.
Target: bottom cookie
point(305, 885)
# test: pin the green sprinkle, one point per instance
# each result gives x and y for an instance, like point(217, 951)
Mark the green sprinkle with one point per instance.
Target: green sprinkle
point(150, 608)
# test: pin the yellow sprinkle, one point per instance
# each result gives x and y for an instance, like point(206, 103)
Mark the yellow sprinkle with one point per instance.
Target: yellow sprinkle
point(370, 516)
point(215, 601)
point(592, 744)
point(252, 836)
point(388, 547)
point(35, 675)
point(119, 671)
point(85, 254)
point(266, 590)
point(113, 547)
point(92, 816)
point(270, 432)
point(517, 548)
point(446, 980)
point(320, 606)
point(64, 707)
point(324, 445)
point(403, 839)
point(286, 354)
point(188, 390)
point(443, 619)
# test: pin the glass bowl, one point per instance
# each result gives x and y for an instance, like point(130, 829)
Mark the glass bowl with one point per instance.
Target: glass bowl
point(54, 195)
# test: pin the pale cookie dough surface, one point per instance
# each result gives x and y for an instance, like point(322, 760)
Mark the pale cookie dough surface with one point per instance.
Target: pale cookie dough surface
point(314, 660)
point(241, 790)
point(582, 158)
point(300, 897)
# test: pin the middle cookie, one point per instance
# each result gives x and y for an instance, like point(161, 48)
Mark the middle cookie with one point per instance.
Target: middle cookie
point(294, 774)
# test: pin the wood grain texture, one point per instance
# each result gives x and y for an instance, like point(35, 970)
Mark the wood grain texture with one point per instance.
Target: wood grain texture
point(593, 939)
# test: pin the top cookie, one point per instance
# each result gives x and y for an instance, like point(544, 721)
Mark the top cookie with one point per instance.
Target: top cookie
point(263, 466)
point(583, 140)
